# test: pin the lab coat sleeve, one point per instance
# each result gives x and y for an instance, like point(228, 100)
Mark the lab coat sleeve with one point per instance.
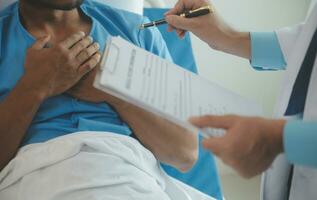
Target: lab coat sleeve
point(287, 37)
point(300, 142)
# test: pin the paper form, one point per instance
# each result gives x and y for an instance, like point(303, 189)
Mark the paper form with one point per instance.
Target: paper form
point(159, 86)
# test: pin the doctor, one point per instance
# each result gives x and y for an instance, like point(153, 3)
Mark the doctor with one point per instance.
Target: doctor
point(287, 146)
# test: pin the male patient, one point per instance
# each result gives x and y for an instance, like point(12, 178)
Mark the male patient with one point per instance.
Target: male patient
point(49, 53)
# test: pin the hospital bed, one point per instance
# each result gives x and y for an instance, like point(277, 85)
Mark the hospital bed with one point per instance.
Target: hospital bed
point(203, 175)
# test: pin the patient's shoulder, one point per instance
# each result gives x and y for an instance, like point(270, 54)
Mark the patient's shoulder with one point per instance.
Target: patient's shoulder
point(7, 12)
point(5, 20)
point(126, 24)
point(115, 21)
point(119, 16)
point(6, 17)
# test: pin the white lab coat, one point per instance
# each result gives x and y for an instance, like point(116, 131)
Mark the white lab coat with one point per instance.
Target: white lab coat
point(294, 44)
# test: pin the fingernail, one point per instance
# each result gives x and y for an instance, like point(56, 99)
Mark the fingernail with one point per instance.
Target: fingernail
point(82, 33)
point(90, 38)
point(97, 45)
point(98, 57)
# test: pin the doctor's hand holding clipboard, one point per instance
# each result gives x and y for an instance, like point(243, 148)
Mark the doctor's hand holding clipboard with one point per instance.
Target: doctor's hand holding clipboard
point(250, 145)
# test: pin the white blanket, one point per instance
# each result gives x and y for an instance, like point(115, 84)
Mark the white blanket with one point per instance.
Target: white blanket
point(90, 166)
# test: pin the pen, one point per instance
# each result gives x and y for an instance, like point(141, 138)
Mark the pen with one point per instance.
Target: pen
point(188, 14)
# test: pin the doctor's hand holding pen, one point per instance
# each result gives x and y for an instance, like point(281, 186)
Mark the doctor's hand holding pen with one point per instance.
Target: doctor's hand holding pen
point(210, 28)
point(250, 145)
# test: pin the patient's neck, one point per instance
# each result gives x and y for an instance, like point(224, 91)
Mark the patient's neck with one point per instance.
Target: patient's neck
point(57, 23)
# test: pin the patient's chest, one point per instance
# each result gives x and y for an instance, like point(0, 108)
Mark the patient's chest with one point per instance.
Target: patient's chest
point(61, 114)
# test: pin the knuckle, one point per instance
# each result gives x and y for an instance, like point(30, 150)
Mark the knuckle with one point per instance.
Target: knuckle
point(91, 51)
point(96, 46)
point(69, 41)
point(88, 52)
point(80, 57)
point(81, 45)
point(84, 43)
point(93, 62)
point(83, 56)
point(74, 37)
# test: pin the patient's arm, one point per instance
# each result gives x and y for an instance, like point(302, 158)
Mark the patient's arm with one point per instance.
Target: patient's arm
point(168, 142)
point(17, 112)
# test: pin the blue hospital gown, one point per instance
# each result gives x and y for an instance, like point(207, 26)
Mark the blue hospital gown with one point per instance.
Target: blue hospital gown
point(63, 114)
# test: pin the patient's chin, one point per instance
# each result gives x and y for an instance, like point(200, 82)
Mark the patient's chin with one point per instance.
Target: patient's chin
point(57, 4)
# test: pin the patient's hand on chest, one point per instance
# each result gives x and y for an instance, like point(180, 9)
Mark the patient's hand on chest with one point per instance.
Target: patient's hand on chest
point(84, 89)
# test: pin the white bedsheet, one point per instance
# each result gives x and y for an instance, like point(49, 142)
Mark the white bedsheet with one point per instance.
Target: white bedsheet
point(90, 166)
